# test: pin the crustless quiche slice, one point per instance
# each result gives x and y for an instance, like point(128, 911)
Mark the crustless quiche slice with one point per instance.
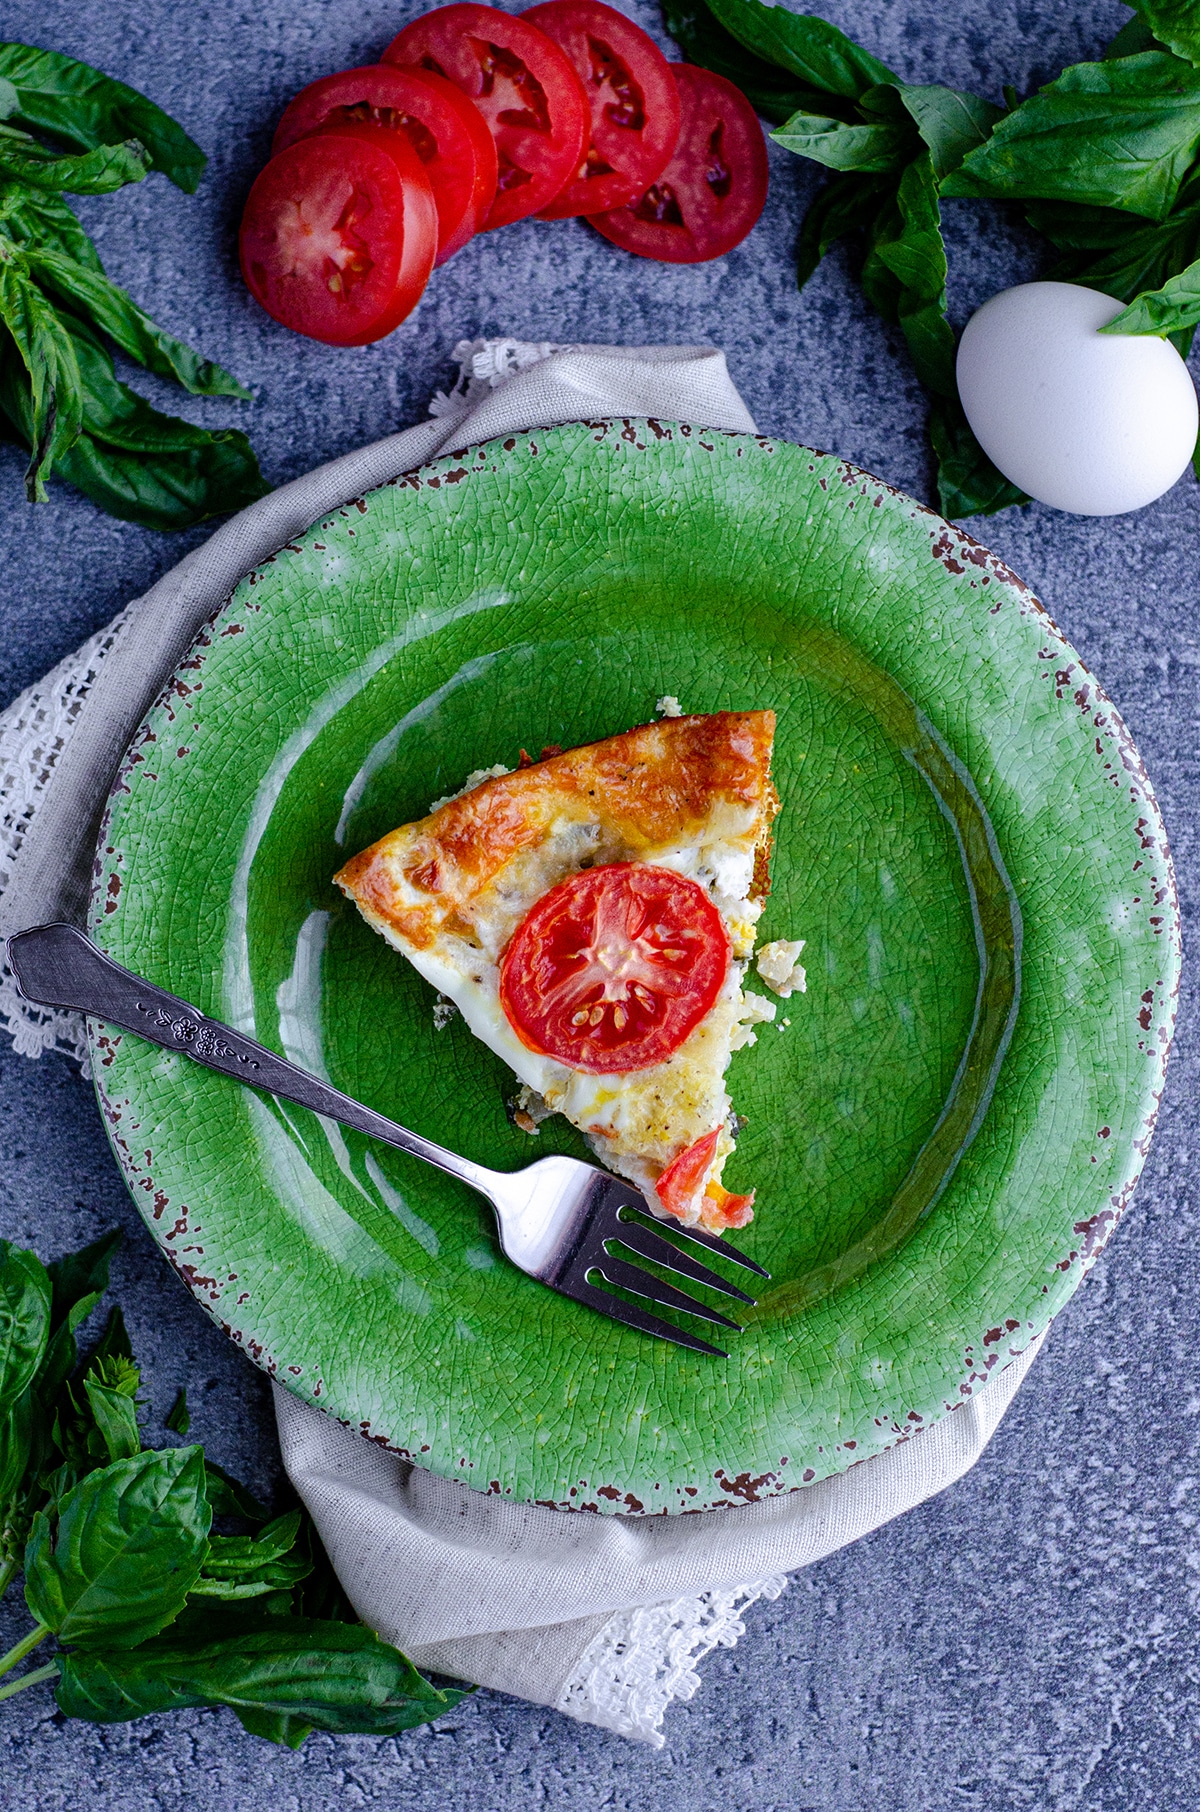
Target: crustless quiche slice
point(591, 915)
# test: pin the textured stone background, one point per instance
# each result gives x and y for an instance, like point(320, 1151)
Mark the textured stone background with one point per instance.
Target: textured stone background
point(1028, 1640)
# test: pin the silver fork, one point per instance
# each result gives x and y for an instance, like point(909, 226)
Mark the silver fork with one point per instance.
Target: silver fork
point(556, 1217)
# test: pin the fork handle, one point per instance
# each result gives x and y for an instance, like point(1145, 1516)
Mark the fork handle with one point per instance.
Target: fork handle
point(57, 966)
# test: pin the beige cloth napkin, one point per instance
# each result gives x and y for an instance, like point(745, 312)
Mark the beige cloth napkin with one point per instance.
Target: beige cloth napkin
point(606, 1617)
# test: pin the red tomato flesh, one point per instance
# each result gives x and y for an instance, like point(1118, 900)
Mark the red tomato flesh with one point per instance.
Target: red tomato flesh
point(614, 967)
point(339, 234)
point(445, 129)
point(684, 1178)
point(682, 1187)
point(714, 188)
point(523, 85)
point(633, 100)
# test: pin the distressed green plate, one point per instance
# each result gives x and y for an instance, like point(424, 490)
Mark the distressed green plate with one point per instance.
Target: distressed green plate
point(939, 1149)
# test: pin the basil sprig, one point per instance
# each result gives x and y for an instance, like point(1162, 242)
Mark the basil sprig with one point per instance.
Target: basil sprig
point(151, 1609)
point(889, 145)
point(1104, 162)
point(60, 314)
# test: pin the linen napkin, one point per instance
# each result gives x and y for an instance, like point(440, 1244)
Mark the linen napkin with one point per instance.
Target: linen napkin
point(603, 1618)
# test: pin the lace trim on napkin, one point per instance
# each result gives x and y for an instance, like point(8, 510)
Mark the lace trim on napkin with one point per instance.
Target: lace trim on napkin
point(646, 1658)
point(484, 365)
point(33, 733)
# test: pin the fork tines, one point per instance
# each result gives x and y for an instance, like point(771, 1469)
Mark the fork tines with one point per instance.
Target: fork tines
point(611, 1228)
point(619, 1310)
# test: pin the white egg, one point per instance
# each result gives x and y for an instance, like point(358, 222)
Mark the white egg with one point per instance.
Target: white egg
point(1084, 421)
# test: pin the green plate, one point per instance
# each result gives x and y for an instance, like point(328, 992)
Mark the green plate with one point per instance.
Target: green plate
point(942, 1137)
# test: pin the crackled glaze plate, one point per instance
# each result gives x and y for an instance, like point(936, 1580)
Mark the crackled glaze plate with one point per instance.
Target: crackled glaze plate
point(941, 1138)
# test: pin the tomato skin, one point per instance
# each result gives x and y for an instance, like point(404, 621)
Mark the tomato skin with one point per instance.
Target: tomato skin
point(351, 203)
point(445, 129)
point(682, 1189)
point(713, 190)
point(524, 86)
point(613, 969)
point(633, 103)
point(683, 1179)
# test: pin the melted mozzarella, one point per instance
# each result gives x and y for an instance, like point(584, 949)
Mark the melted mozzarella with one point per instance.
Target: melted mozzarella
point(638, 1121)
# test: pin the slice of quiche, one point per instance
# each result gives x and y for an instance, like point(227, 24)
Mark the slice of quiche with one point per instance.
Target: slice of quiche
point(591, 915)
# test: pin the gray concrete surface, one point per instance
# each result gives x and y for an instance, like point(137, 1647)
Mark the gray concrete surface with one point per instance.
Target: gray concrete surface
point(1029, 1639)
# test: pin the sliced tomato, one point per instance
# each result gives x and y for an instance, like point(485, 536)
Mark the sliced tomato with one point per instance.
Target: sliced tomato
point(445, 129)
point(684, 1189)
point(523, 85)
point(339, 234)
point(684, 1178)
point(614, 967)
point(712, 191)
point(633, 100)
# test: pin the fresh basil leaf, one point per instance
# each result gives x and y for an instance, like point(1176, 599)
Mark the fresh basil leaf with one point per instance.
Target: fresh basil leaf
point(952, 123)
point(86, 108)
point(275, 1726)
point(1169, 309)
point(843, 206)
point(869, 150)
point(230, 1556)
point(81, 1274)
point(98, 172)
point(1134, 37)
point(173, 477)
point(229, 1498)
point(278, 1577)
point(33, 217)
point(62, 1354)
point(904, 274)
point(320, 1593)
point(1116, 134)
point(1119, 254)
point(135, 463)
point(16, 1440)
point(1072, 227)
point(91, 294)
point(53, 389)
point(57, 1485)
point(820, 55)
point(240, 1566)
point(703, 42)
point(177, 1418)
point(129, 1544)
point(968, 483)
point(25, 1298)
point(336, 1676)
point(1175, 23)
point(116, 1418)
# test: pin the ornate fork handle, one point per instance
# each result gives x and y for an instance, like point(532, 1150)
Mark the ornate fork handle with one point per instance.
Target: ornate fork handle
point(57, 966)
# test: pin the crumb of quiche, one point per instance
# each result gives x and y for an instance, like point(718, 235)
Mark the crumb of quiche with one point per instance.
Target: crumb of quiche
point(755, 1011)
point(443, 1012)
point(668, 705)
point(528, 1109)
point(779, 966)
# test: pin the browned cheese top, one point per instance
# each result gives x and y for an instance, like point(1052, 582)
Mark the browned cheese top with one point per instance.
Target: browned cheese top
point(649, 788)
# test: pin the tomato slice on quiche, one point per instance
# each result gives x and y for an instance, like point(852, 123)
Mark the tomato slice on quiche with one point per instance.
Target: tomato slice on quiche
point(591, 915)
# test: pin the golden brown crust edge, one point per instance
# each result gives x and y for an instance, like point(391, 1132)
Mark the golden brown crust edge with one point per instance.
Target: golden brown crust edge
point(652, 783)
